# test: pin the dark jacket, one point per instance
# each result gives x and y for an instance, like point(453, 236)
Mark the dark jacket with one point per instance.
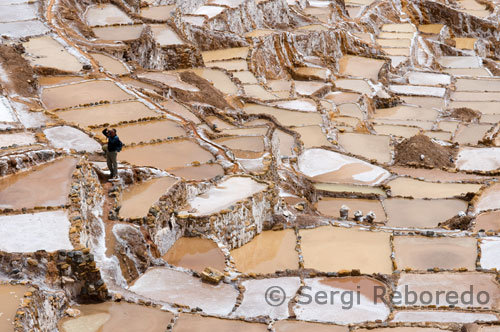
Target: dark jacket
point(114, 143)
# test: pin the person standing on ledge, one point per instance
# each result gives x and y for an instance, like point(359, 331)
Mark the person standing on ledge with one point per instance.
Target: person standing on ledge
point(111, 149)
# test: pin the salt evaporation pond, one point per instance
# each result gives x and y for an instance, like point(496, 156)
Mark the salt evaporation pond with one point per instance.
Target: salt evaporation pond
point(47, 231)
point(29, 188)
point(223, 195)
point(339, 168)
point(369, 252)
point(268, 252)
point(116, 316)
point(10, 300)
point(196, 254)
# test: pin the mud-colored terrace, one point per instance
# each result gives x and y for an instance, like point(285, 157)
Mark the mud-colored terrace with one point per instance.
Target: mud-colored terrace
point(342, 148)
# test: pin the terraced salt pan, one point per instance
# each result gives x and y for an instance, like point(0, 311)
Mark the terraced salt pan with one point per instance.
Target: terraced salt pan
point(312, 136)
point(460, 61)
point(443, 316)
point(138, 198)
point(304, 105)
point(167, 285)
point(285, 117)
point(336, 167)
point(369, 252)
point(147, 131)
point(218, 78)
point(196, 254)
point(166, 156)
point(66, 137)
point(19, 139)
point(110, 64)
point(422, 253)
point(401, 131)
point(351, 110)
point(45, 51)
point(308, 87)
point(71, 95)
point(342, 97)
point(426, 102)
point(355, 85)
point(475, 72)
point(408, 187)
point(478, 159)
point(29, 188)
point(367, 309)
point(223, 195)
point(402, 329)
point(406, 113)
point(229, 3)
point(356, 66)
point(10, 300)
point(201, 172)
point(418, 90)
point(398, 27)
point(178, 109)
point(475, 96)
point(107, 114)
point(171, 80)
point(23, 29)
point(190, 323)
point(254, 298)
point(225, 54)
point(423, 78)
point(485, 107)
point(448, 282)
point(47, 231)
point(421, 213)
point(489, 199)
point(248, 147)
point(121, 32)
point(230, 65)
point(158, 12)
point(488, 221)
point(268, 252)
point(330, 206)
point(165, 36)
point(246, 77)
point(430, 28)
point(116, 316)
point(368, 146)
point(471, 134)
point(17, 12)
point(299, 326)
point(490, 253)
point(106, 14)
point(468, 84)
point(258, 92)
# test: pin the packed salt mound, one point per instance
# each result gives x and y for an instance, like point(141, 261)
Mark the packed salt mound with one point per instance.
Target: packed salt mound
point(66, 137)
point(478, 159)
point(410, 152)
point(324, 165)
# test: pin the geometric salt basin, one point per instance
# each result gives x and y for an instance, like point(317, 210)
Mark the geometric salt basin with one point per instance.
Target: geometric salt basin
point(314, 162)
point(66, 137)
point(254, 300)
point(224, 195)
point(478, 159)
point(412, 90)
point(20, 139)
point(422, 78)
point(490, 253)
point(47, 231)
point(443, 316)
point(6, 111)
point(489, 199)
point(167, 285)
